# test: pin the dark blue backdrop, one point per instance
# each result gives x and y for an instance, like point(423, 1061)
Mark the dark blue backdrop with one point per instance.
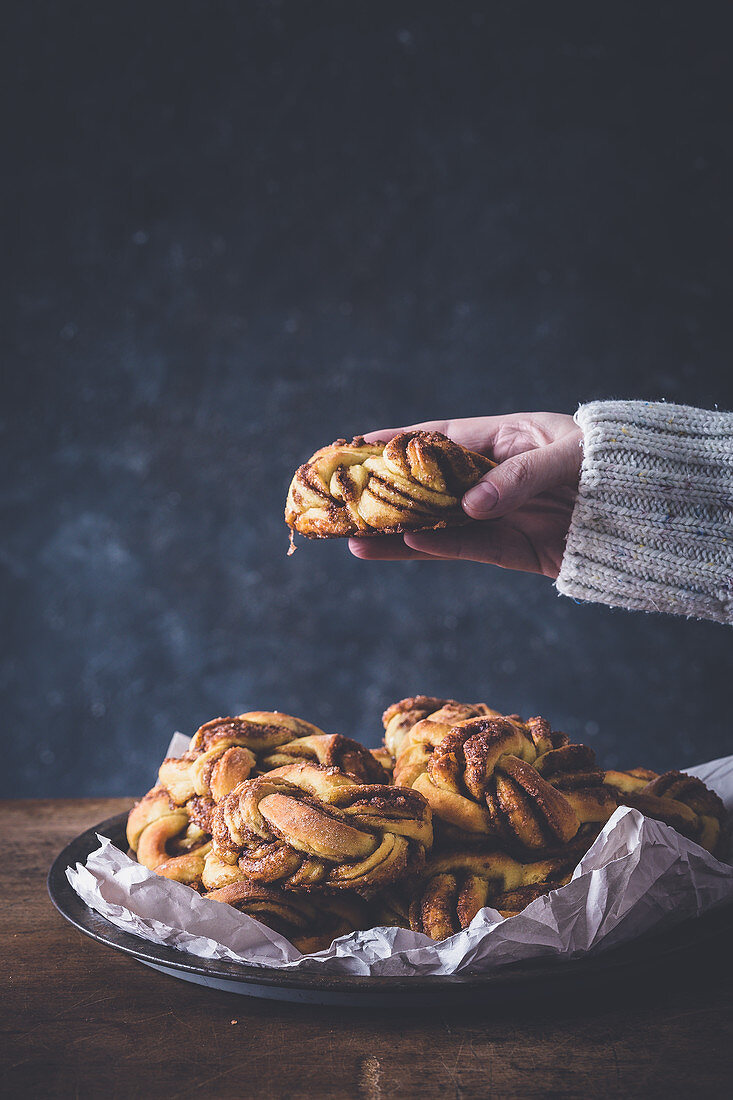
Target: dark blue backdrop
point(240, 230)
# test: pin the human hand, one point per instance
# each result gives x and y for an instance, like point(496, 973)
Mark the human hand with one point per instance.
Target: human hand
point(523, 506)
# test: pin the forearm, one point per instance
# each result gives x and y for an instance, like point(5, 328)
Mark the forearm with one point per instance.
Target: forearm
point(652, 528)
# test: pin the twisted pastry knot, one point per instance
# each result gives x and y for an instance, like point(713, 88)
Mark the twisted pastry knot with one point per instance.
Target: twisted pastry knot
point(415, 481)
point(330, 751)
point(512, 780)
point(679, 800)
point(226, 751)
point(170, 828)
point(415, 745)
point(306, 826)
point(457, 884)
point(433, 715)
point(166, 838)
point(311, 922)
point(223, 753)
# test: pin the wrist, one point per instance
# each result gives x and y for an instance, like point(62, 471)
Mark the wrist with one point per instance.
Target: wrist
point(652, 527)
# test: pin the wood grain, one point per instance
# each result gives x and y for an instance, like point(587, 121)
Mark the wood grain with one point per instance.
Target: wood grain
point(80, 1020)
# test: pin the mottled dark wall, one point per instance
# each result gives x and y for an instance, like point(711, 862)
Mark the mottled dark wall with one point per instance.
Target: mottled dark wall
point(239, 230)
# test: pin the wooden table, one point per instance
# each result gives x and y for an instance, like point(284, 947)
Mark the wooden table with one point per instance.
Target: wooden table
point(79, 1019)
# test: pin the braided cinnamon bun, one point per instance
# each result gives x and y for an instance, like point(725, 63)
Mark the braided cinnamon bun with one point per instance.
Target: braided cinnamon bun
point(304, 826)
point(331, 751)
point(169, 830)
point(166, 839)
point(515, 781)
point(415, 745)
point(435, 718)
point(414, 482)
point(456, 884)
point(679, 800)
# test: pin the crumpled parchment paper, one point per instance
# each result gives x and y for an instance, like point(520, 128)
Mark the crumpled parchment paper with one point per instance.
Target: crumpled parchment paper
point(638, 875)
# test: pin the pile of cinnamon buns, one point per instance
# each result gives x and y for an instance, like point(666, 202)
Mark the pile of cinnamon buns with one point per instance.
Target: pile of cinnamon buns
point(462, 807)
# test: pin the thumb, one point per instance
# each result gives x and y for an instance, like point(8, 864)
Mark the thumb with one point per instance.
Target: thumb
point(522, 477)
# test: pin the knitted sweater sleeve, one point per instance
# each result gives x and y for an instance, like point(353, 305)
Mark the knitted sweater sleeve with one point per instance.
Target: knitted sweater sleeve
point(652, 528)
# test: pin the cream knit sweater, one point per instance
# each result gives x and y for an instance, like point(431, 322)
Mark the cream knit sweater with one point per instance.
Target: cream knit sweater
point(652, 529)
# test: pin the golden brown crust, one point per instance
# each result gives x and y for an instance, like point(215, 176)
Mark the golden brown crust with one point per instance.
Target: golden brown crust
point(414, 482)
point(512, 902)
point(457, 519)
point(423, 705)
point(302, 819)
point(164, 838)
point(417, 744)
point(487, 775)
point(401, 718)
point(456, 884)
point(635, 779)
point(258, 730)
point(679, 800)
point(330, 750)
point(306, 826)
point(224, 752)
point(479, 778)
point(170, 828)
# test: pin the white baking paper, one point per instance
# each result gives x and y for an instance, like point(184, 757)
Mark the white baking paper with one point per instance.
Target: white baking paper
point(638, 875)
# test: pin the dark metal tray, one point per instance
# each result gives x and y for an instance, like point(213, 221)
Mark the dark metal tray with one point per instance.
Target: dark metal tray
point(625, 963)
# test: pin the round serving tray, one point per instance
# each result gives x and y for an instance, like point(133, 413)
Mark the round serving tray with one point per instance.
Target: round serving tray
point(625, 963)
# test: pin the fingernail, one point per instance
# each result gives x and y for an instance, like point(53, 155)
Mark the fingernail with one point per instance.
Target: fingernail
point(481, 499)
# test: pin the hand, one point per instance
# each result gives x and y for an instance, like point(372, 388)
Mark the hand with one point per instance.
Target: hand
point(523, 506)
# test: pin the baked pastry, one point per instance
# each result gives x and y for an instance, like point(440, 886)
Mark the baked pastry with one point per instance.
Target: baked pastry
point(629, 781)
point(415, 746)
point(310, 921)
point(415, 482)
point(434, 716)
point(517, 782)
point(305, 826)
point(303, 831)
point(166, 838)
point(456, 884)
point(331, 751)
point(169, 830)
point(679, 800)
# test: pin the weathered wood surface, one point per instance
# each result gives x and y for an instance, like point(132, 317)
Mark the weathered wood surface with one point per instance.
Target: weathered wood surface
point(79, 1019)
